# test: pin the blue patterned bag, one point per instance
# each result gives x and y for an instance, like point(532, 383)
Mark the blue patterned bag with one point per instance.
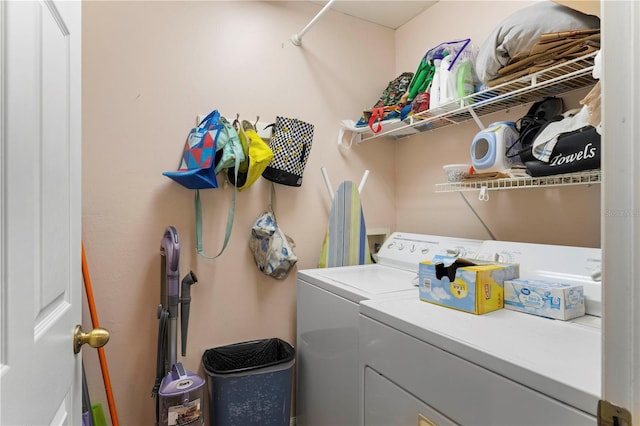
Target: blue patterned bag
point(197, 165)
point(211, 147)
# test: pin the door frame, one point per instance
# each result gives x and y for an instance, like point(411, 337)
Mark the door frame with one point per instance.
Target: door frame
point(620, 198)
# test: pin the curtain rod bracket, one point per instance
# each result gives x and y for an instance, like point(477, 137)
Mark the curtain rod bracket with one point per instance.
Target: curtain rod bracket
point(296, 39)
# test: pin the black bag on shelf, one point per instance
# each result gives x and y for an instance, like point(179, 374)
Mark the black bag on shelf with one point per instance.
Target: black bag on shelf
point(540, 113)
point(574, 152)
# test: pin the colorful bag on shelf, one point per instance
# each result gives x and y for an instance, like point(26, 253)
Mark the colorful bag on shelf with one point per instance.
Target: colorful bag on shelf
point(422, 79)
point(290, 142)
point(420, 103)
point(395, 90)
point(389, 105)
point(375, 116)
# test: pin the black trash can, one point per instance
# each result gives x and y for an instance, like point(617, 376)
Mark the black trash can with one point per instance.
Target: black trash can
point(250, 383)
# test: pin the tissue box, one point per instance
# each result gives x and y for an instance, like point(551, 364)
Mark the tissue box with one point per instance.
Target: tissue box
point(547, 299)
point(476, 287)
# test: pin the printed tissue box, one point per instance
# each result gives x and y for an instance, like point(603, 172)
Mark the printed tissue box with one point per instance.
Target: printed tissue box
point(547, 299)
point(469, 285)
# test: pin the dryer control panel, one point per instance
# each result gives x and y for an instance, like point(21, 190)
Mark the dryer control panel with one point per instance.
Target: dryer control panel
point(405, 250)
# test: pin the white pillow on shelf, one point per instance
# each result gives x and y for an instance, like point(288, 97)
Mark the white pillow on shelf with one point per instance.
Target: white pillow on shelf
point(522, 29)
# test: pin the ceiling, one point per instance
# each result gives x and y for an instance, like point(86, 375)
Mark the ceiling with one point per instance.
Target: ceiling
point(391, 13)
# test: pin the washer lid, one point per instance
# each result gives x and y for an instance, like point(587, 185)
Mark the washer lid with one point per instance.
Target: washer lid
point(361, 282)
point(396, 270)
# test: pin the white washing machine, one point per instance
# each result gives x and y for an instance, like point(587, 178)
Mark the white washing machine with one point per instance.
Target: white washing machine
point(327, 321)
point(500, 368)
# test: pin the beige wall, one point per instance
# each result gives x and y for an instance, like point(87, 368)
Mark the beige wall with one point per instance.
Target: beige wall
point(150, 67)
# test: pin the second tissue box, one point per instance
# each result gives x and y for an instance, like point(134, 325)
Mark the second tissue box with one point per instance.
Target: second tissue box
point(548, 299)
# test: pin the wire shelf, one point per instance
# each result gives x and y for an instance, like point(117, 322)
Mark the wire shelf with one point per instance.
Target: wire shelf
point(588, 177)
point(558, 79)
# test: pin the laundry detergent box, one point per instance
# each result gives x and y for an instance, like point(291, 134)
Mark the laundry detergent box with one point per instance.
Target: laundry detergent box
point(548, 299)
point(469, 285)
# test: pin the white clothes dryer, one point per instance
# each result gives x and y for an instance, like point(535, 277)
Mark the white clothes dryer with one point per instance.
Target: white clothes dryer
point(327, 321)
point(500, 368)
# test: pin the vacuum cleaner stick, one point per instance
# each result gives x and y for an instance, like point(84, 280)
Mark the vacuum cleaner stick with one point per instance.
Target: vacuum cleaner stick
point(185, 306)
point(170, 251)
point(180, 393)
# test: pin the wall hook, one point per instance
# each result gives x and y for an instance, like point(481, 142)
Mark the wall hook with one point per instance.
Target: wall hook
point(484, 194)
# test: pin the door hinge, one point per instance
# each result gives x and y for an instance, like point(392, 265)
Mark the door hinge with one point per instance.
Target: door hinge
point(423, 421)
point(612, 415)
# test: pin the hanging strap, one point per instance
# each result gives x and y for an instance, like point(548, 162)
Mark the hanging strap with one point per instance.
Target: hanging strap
point(232, 208)
point(377, 114)
point(272, 200)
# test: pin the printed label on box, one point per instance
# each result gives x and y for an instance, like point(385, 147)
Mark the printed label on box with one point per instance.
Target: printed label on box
point(468, 285)
point(184, 414)
point(548, 299)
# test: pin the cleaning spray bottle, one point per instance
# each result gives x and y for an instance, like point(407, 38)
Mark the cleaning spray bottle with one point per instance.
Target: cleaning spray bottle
point(463, 84)
point(446, 94)
point(434, 99)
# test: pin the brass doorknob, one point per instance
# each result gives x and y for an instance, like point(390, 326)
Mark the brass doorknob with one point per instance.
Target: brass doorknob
point(96, 338)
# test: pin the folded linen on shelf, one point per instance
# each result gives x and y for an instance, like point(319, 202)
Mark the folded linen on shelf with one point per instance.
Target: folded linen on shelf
point(551, 49)
point(522, 29)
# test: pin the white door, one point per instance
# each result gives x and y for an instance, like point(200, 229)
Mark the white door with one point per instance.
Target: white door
point(621, 206)
point(40, 251)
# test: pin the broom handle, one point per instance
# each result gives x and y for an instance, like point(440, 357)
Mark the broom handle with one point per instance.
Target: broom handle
point(103, 359)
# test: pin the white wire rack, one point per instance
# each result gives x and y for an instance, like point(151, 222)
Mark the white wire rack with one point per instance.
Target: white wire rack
point(588, 177)
point(558, 79)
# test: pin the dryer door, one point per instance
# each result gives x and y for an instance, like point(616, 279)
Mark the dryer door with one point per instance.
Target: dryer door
point(385, 403)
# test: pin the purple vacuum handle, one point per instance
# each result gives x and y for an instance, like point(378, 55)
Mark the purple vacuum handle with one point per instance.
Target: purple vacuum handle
point(171, 248)
point(178, 371)
point(170, 251)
